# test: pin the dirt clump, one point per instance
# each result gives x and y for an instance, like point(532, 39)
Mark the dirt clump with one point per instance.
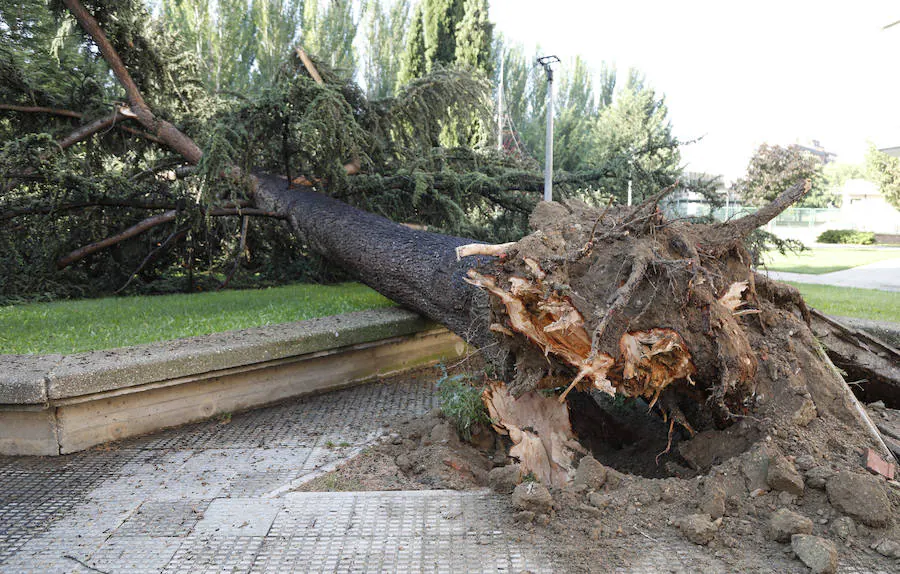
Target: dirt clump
point(605, 519)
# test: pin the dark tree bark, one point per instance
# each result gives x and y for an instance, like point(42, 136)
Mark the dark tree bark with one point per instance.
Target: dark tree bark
point(417, 269)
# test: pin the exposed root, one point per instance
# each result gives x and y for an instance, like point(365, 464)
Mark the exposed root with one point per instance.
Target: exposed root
point(539, 428)
point(621, 298)
point(482, 249)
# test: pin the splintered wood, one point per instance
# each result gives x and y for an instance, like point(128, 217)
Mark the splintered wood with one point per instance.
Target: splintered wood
point(551, 323)
point(651, 360)
point(648, 362)
point(539, 428)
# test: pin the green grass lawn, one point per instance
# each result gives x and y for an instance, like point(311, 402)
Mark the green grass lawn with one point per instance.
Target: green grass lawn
point(849, 302)
point(818, 261)
point(84, 325)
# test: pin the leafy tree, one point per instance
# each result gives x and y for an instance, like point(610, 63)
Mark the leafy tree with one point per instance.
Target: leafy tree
point(474, 37)
point(441, 19)
point(633, 137)
point(775, 168)
point(413, 64)
point(384, 41)
point(238, 42)
point(333, 34)
point(885, 171)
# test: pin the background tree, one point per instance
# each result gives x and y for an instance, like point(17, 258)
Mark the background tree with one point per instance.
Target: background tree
point(634, 135)
point(885, 171)
point(475, 37)
point(576, 113)
point(774, 168)
point(330, 34)
point(385, 34)
point(412, 64)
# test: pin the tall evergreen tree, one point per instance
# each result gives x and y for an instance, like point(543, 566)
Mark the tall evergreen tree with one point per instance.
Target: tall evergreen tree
point(384, 47)
point(441, 19)
point(413, 63)
point(634, 138)
point(576, 112)
point(474, 37)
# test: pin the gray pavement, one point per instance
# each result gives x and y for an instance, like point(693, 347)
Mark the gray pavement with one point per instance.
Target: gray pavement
point(218, 497)
point(883, 275)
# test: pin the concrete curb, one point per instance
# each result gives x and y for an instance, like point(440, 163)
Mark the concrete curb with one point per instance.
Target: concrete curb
point(55, 404)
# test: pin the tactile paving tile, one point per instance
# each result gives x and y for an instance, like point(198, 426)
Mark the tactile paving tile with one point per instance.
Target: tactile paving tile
point(49, 554)
point(200, 555)
point(348, 415)
point(135, 554)
point(238, 517)
point(420, 531)
point(167, 518)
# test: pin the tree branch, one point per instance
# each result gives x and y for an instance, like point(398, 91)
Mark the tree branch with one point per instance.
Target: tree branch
point(84, 132)
point(137, 229)
point(152, 222)
point(77, 116)
point(242, 245)
point(41, 110)
point(174, 236)
point(745, 225)
point(162, 129)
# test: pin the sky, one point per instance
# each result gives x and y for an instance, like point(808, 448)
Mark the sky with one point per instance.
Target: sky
point(739, 74)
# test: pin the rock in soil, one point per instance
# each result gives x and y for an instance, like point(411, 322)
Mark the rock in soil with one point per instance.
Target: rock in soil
point(504, 479)
point(889, 548)
point(713, 501)
point(783, 476)
point(843, 527)
point(817, 477)
point(755, 468)
point(532, 496)
point(861, 496)
point(783, 524)
point(817, 553)
point(590, 473)
point(699, 528)
point(443, 432)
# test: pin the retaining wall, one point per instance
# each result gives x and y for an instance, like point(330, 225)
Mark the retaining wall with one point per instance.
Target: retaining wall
point(58, 404)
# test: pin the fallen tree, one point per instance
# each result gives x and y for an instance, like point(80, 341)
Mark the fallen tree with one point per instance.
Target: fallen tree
point(595, 302)
point(616, 300)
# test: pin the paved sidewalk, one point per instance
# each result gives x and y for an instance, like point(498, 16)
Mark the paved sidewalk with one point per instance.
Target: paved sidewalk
point(217, 497)
point(884, 275)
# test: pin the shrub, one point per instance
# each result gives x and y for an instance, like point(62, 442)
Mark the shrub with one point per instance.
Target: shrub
point(461, 402)
point(850, 236)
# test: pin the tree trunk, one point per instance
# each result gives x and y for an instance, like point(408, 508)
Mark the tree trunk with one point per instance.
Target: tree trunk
point(616, 301)
point(417, 269)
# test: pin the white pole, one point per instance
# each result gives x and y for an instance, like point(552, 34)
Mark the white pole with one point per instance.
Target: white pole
point(548, 159)
point(500, 109)
point(629, 190)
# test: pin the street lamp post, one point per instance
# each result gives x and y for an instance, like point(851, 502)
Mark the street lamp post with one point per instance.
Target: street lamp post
point(547, 62)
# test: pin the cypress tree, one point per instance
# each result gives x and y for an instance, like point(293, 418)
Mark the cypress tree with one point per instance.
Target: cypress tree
point(474, 37)
point(441, 20)
point(413, 65)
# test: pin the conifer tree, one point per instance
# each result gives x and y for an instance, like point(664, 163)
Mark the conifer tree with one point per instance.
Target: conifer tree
point(474, 37)
point(441, 18)
point(413, 64)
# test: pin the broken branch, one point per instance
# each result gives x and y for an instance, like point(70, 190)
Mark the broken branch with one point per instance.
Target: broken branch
point(162, 129)
point(141, 227)
point(483, 249)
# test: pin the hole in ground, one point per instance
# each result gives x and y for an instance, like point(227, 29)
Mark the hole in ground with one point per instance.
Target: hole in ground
point(622, 434)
